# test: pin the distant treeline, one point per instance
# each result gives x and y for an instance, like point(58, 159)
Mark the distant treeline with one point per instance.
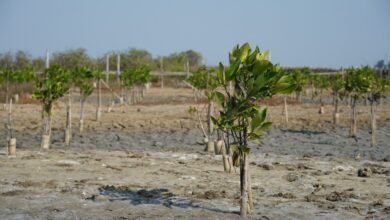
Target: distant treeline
point(175, 62)
point(313, 70)
point(73, 58)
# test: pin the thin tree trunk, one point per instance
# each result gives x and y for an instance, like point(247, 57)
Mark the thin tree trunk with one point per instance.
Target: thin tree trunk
point(322, 110)
point(244, 184)
point(210, 111)
point(98, 110)
point(143, 89)
point(373, 125)
point(81, 125)
point(336, 110)
point(353, 118)
point(45, 144)
point(68, 127)
point(334, 99)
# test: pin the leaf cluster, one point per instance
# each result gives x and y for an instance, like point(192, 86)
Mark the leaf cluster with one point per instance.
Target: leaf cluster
point(254, 78)
point(82, 77)
point(359, 81)
point(53, 85)
point(299, 78)
point(17, 76)
point(135, 76)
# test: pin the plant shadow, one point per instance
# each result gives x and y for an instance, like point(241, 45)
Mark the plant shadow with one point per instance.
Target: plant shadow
point(154, 197)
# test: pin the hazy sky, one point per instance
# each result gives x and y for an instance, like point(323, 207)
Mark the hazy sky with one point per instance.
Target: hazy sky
point(331, 33)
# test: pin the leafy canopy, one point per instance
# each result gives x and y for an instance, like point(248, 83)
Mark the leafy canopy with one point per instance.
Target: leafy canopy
point(254, 78)
point(54, 84)
point(299, 78)
point(358, 81)
point(82, 78)
point(135, 76)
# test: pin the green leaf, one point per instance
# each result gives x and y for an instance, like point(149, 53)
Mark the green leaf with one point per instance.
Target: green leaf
point(244, 52)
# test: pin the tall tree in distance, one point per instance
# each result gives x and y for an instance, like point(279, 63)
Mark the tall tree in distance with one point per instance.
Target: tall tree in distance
point(22, 60)
point(72, 58)
point(177, 61)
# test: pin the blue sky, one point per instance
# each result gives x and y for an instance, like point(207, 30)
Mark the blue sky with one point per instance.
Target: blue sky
point(331, 33)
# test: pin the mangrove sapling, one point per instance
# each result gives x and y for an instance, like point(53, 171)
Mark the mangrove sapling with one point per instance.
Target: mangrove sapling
point(298, 85)
point(205, 80)
point(83, 77)
point(196, 114)
point(98, 76)
point(357, 84)
point(299, 78)
point(321, 83)
point(133, 80)
point(337, 84)
point(52, 86)
point(255, 78)
point(378, 88)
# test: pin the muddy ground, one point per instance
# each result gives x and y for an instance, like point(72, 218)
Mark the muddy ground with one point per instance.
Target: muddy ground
point(146, 161)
